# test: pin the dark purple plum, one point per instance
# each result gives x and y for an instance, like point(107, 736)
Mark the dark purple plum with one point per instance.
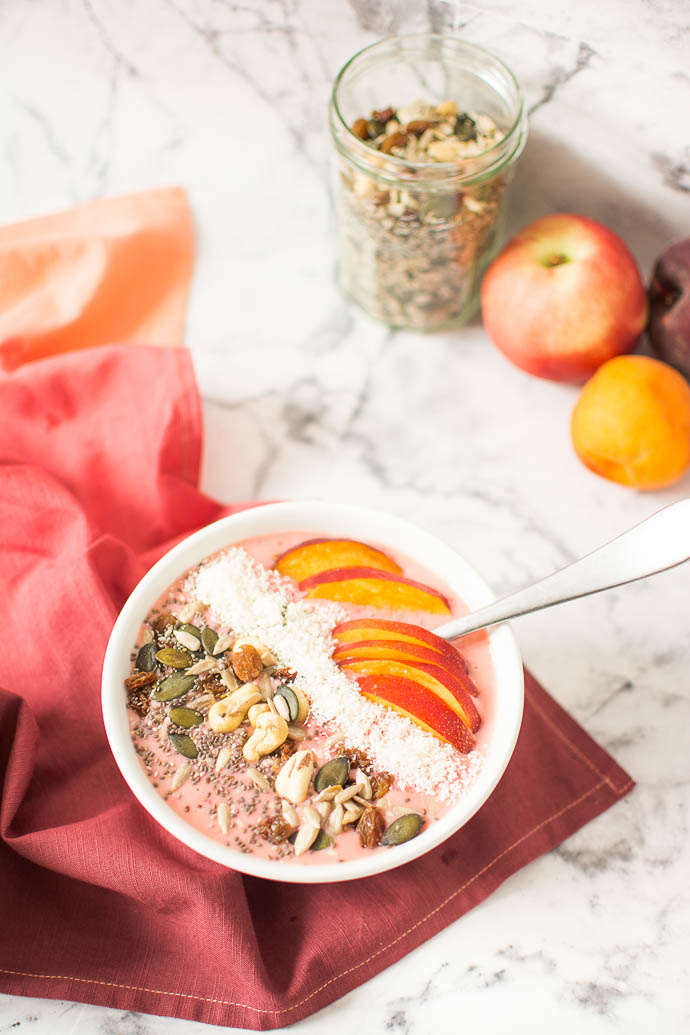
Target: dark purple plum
point(669, 306)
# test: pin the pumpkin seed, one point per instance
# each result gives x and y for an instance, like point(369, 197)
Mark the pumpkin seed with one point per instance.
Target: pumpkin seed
point(402, 829)
point(191, 629)
point(209, 638)
point(290, 698)
point(146, 658)
point(186, 717)
point(175, 657)
point(335, 771)
point(173, 686)
point(183, 744)
point(322, 841)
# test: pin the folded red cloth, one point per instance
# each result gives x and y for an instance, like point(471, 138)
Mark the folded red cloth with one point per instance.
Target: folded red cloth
point(100, 462)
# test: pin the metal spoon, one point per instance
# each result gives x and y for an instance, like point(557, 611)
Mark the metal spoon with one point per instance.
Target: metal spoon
point(660, 542)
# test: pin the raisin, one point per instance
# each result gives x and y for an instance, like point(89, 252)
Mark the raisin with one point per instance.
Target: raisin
point(371, 827)
point(275, 830)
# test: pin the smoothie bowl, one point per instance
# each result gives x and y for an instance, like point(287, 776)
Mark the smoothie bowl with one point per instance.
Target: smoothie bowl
point(276, 698)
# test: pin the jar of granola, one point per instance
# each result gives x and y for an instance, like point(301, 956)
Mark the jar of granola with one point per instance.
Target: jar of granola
point(426, 132)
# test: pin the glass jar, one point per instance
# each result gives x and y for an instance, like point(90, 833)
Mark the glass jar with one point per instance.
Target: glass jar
point(415, 235)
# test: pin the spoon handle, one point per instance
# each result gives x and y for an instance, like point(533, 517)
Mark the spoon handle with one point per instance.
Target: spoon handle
point(660, 542)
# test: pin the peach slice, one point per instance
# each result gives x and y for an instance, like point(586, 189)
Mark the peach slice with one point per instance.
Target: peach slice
point(382, 629)
point(372, 588)
point(420, 706)
point(442, 684)
point(317, 555)
point(398, 650)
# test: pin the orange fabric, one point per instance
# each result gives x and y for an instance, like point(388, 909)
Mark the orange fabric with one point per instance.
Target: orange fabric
point(115, 270)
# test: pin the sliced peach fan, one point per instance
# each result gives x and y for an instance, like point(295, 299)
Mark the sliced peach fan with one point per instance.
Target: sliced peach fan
point(399, 650)
point(437, 682)
point(416, 704)
point(371, 588)
point(316, 555)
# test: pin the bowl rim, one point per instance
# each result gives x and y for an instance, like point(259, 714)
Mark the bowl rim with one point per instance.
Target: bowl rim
point(327, 518)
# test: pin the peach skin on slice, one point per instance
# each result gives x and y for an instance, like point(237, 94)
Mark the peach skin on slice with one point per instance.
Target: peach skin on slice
point(316, 555)
point(398, 650)
point(418, 705)
point(372, 588)
point(442, 684)
point(383, 629)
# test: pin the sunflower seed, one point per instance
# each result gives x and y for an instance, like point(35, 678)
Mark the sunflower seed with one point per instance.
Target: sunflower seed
point(364, 802)
point(186, 639)
point(324, 809)
point(365, 784)
point(334, 824)
point(268, 659)
point(203, 702)
point(258, 779)
point(310, 815)
point(148, 636)
point(205, 665)
point(352, 814)
point(289, 813)
point(190, 609)
point(223, 816)
point(289, 697)
point(296, 732)
point(282, 707)
point(335, 738)
point(227, 677)
point(223, 643)
point(224, 756)
point(329, 793)
point(346, 793)
point(181, 775)
point(306, 835)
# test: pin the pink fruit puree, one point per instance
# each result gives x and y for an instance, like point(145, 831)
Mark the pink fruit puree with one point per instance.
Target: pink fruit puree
point(197, 799)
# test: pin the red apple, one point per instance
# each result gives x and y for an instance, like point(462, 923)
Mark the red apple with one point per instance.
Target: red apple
point(373, 588)
point(564, 296)
point(417, 705)
point(316, 555)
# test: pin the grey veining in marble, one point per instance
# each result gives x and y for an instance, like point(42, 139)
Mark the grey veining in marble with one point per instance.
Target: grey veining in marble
point(304, 396)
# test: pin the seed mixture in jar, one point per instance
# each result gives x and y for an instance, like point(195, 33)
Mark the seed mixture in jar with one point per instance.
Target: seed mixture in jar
point(416, 238)
point(287, 698)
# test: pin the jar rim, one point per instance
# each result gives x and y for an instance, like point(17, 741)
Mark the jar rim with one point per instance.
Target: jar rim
point(447, 170)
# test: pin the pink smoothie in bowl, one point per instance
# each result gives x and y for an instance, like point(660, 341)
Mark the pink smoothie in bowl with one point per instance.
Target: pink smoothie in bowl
point(287, 706)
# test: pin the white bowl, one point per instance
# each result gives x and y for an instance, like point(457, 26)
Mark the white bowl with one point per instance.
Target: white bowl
point(331, 520)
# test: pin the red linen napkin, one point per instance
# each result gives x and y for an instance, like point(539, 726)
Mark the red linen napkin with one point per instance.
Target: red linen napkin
point(116, 269)
point(100, 454)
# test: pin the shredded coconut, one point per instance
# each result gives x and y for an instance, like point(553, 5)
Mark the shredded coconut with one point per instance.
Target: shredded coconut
point(259, 604)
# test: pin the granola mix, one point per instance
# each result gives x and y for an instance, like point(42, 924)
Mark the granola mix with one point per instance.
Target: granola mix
point(412, 253)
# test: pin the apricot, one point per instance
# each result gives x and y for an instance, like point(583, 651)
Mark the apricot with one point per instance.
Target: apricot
point(631, 423)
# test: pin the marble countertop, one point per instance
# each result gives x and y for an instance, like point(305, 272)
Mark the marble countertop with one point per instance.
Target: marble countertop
point(304, 396)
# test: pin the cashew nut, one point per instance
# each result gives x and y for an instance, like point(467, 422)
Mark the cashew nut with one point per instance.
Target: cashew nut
point(256, 710)
point(226, 715)
point(271, 731)
point(292, 782)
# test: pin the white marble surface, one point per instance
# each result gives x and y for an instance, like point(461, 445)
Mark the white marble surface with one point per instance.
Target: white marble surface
point(306, 397)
